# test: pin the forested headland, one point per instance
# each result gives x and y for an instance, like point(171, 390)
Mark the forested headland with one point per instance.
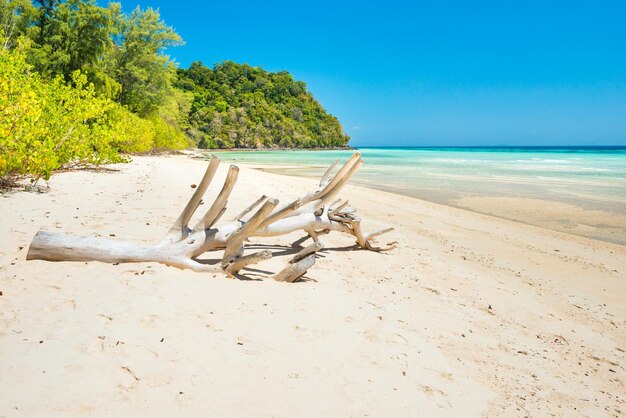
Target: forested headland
point(247, 107)
point(82, 85)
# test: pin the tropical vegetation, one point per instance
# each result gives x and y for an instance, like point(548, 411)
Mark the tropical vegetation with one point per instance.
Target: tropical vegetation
point(82, 84)
point(237, 105)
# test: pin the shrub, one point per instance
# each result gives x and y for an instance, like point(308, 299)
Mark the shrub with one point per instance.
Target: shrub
point(47, 124)
point(129, 132)
point(166, 135)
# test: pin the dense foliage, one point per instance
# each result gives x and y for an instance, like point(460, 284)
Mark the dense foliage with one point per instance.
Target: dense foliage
point(46, 124)
point(81, 83)
point(241, 106)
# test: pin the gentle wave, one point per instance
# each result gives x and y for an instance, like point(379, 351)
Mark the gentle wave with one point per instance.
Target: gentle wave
point(595, 174)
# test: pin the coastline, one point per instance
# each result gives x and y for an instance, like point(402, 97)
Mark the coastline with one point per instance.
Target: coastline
point(218, 150)
point(472, 315)
point(603, 225)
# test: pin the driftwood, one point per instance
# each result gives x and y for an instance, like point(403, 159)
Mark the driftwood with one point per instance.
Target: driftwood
point(312, 213)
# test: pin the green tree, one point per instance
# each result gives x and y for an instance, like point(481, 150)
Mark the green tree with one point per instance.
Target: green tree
point(46, 16)
point(137, 61)
point(71, 36)
point(16, 19)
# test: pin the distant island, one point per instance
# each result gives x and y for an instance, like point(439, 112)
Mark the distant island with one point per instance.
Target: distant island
point(83, 85)
point(240, 106)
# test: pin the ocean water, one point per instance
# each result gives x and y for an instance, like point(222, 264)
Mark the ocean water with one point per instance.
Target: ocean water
point(581, 190)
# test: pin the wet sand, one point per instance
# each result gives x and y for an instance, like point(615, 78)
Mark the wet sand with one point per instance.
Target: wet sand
point(603, 220)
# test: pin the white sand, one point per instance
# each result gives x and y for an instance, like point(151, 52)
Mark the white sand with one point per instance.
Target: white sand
point(471, 316)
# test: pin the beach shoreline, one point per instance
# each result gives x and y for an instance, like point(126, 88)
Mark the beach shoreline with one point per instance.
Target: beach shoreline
point(277, 148)
point(568, 205)
point(603, 225)
point(472, 315)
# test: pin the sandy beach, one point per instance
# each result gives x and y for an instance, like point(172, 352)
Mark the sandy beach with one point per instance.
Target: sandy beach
point(471, 316)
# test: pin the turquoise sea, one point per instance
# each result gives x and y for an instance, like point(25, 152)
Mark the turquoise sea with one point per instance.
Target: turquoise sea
point(576, 189)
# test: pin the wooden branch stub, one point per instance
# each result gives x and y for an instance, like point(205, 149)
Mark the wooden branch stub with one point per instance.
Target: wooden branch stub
point(293, 272)
point(282, 213)
point(326, 176)
point(339, 184)
point(237, 238)
point(247, 260)
point(211, 216)
point(249, 208)
point(311, 197)
point(338, 208)
point(311, 249)
point(180, 226)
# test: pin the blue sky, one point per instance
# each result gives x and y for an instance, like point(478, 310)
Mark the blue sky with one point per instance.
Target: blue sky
point(431, 73)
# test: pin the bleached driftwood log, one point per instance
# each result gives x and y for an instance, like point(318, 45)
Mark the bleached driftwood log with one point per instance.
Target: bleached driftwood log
point(182, 245)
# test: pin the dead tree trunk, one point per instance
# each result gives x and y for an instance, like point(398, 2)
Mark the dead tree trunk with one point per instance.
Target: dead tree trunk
point(312, 213)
